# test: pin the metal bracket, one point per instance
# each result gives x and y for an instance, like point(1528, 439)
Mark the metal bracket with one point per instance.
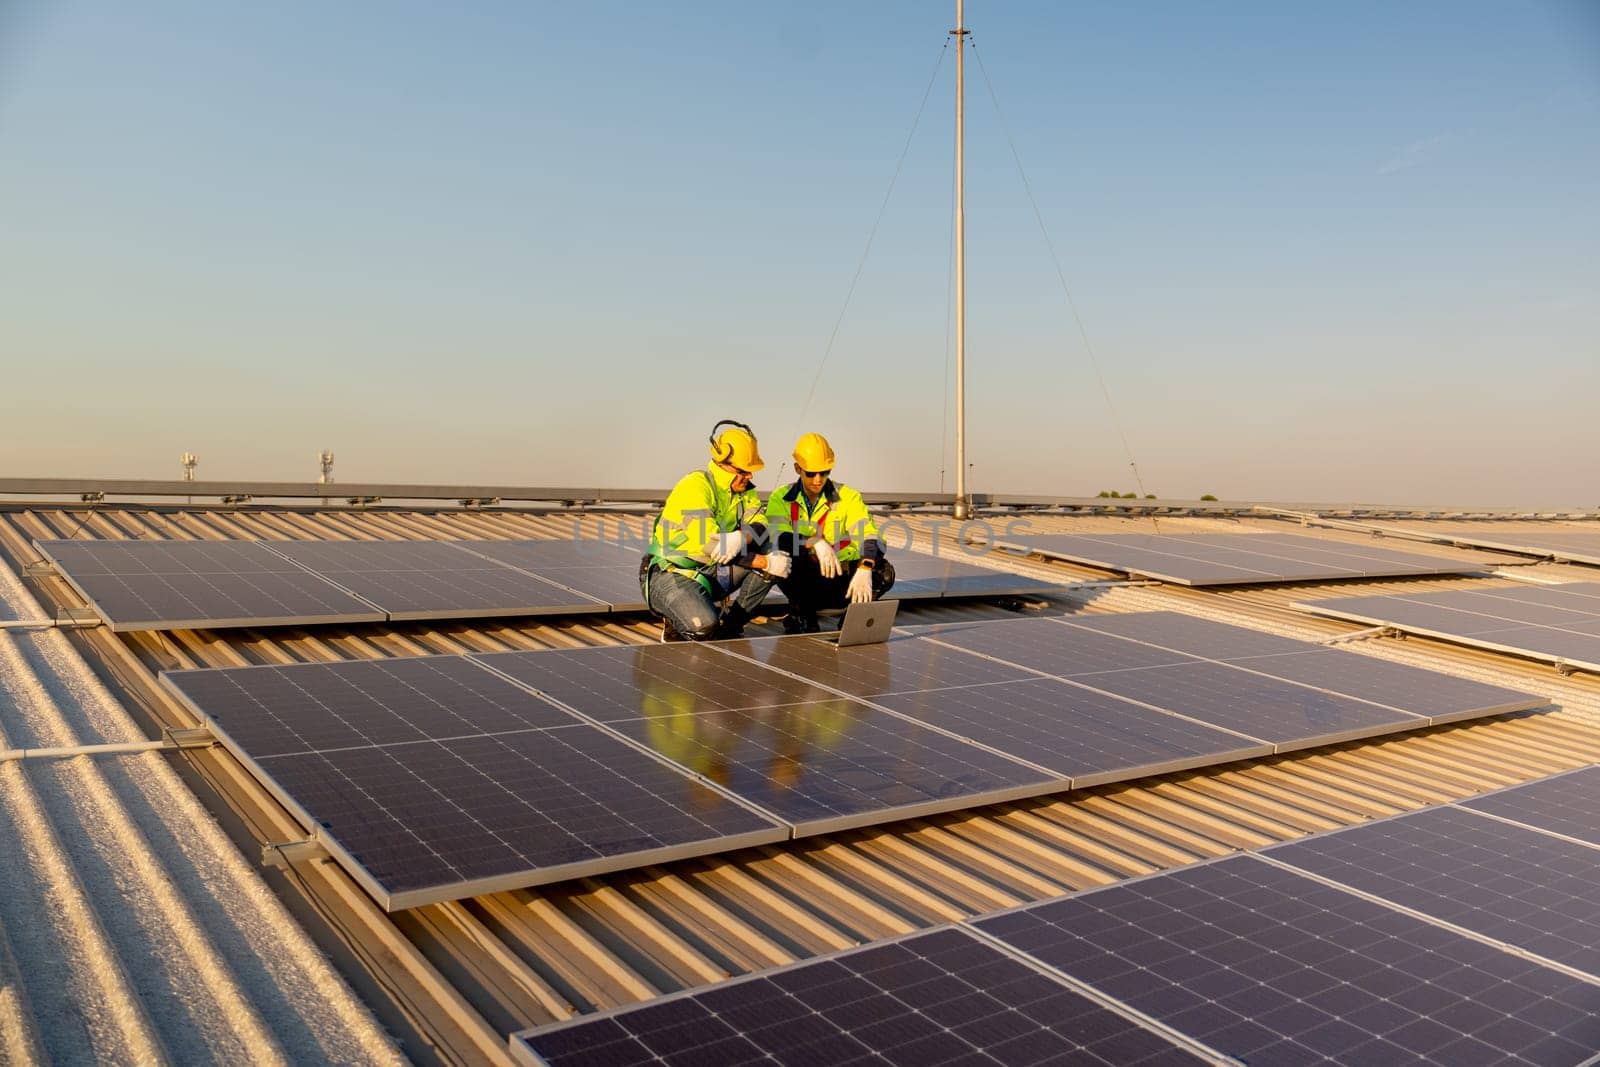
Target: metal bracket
point(1564, 668)
point(286, 854)
point(1363, 635)
point(481, 502)
point(362, 501)
point(42, 568)
point(238, 498)
point(91, 498)
point(189, 737)
point(70, 618)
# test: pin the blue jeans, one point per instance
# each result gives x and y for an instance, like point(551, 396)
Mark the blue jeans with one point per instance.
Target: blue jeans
point(690, 610)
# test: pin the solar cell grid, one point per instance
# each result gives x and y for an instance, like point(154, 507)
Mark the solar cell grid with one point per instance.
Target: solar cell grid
point(1573, 545)
point(442, 820)
point(1086, 737)
point(1517, 886)
point(831, 764)
point(1485, 621)
point(433, 580)
point(1222, 559)
point(1203, 638)
point(434, 779)
point(941, 997)
point(1567, 804)
point(1272, 967)
point(1439, 697)
point(1288, 715)
point(650, 681)
point(901, 664)
point(151, 585)
point(598, 569)
point(1042, 645)
point(306, 707)
point(1508, 611)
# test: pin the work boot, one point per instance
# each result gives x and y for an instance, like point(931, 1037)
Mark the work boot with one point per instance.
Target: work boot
point(669, 634)
point(731, 625)
point(795, 623)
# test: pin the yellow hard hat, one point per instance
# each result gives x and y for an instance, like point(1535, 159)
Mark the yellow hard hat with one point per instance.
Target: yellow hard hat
point(813, 453)
point(735, 446)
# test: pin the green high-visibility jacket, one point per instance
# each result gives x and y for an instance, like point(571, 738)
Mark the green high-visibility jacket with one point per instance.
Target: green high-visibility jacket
point(701, 506)
point(840, 515)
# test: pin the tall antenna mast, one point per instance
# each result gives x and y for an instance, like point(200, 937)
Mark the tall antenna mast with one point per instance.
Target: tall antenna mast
point(962, 508)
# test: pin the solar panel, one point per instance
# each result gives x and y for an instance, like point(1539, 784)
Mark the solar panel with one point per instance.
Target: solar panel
point(1516, 886)
point(1041, 645)
point(1289, 716)
point(817, 761)
point(1086, 737)
point(433, 580)
point(1186, 633)
point(1575, 545)
point(921, 576)
point(181, 585)
point(829, 765)
point(1567, 804)
point(650, 681)
point(940, 997)
point(432, 779)
point(898, 665)
point(1225, 559)
point(1269, 966)
point(599, 569)
point(1120, 654)
point(1438, 697)
point(1504, 620)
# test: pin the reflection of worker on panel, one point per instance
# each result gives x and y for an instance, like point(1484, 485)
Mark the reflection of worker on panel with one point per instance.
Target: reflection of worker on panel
point(710, 545)
point(756, 752)
point(828, 531)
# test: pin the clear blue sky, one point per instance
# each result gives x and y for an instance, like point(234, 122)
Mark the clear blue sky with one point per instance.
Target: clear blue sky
point(1324, 252)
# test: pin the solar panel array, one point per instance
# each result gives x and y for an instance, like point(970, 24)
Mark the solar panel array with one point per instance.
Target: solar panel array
point(599, 569)
point(940, 997)
point(153, 585)
point(421, 770)
point(433, 580)
point(169, 585)
point(1233, 559)
point(1558, 623)
point(1578, 546)
point(1267, 965)
point(1461, 934)
point(431, 778)
point(919, 576)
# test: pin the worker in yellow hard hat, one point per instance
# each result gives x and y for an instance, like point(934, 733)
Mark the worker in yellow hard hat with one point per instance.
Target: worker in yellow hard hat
point(827, 529)
point(709, 546)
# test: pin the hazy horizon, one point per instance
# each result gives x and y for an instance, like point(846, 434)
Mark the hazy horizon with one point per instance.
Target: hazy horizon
point(1322, 255)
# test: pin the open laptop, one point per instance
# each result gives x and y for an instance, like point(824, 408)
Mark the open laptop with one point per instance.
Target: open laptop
point(867, 624)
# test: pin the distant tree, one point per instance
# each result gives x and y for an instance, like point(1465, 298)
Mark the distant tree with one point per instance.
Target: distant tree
point(1207, 496)
point(1149, 496)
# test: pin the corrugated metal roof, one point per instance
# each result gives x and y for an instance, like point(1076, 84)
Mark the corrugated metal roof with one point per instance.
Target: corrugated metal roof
point(453, 979)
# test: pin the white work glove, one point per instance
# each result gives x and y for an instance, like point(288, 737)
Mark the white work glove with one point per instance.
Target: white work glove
point(778, 564)
point(726, 546)
point(860, 591)
point(827, 559)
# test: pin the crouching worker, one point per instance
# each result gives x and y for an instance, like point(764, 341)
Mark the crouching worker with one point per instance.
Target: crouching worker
point(829, 533)
point(710, 545)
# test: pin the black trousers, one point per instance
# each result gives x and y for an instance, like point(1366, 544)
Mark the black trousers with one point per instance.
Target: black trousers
point(809, 592)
